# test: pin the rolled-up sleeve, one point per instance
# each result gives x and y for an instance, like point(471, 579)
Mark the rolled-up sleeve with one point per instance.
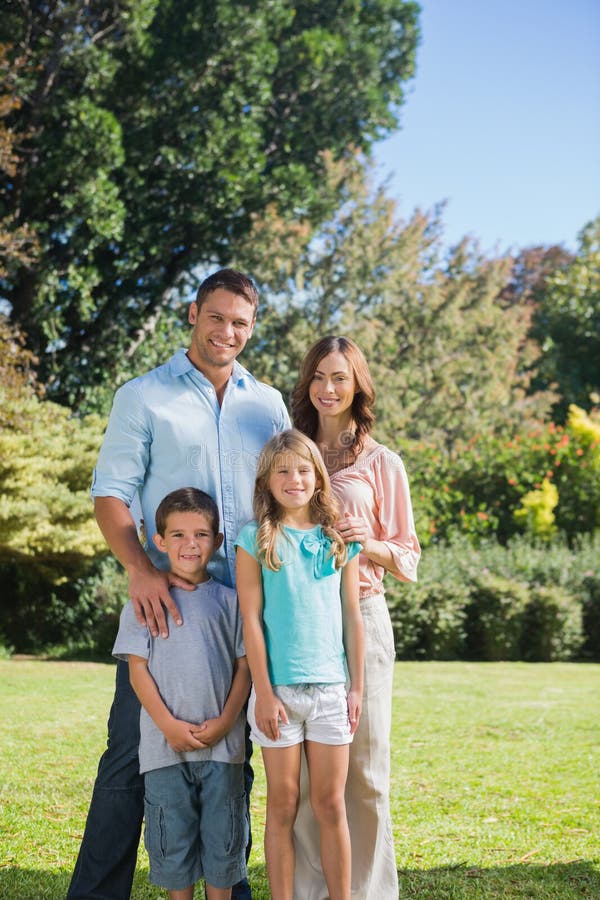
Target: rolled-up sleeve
point(123, 458)
point(395, 515)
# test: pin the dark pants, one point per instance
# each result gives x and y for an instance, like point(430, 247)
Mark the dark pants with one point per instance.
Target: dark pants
point(108, 853)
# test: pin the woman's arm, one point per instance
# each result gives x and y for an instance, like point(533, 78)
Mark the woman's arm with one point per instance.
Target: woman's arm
point(354, 643)
point(391, 541)
point(269, 709)
point(354, 528)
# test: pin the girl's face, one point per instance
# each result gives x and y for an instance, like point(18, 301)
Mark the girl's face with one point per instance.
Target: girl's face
point(333, 386)
point(292, 481)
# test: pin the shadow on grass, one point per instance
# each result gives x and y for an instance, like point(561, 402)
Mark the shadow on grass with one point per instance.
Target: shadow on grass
point(563, 881)
point(20, 883)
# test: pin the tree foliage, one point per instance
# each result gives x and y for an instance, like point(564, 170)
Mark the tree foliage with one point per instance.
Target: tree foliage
point(450, 356)
point(567, 326)
point(46, 459)
point(155, 129)
point(17, 242)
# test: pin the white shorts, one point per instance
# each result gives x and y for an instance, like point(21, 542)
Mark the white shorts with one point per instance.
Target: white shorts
point(316, 712)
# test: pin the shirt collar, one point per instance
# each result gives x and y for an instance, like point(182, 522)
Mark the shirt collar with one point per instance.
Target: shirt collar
point(180, 364)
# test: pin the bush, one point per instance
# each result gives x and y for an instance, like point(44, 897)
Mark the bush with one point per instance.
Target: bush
point(429, 617)
point(495, 617)
point(475, 487)
point(80, 614)
point(552, 625)
point(526, 600)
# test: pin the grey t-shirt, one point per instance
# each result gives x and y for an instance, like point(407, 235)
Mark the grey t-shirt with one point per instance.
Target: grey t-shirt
point(193, 669)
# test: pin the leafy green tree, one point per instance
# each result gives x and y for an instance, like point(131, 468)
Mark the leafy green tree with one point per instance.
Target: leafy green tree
point(567, 326)
point(448, 354)
point(46, 459)
point(17, 242)
point(48, 536)
point(155, 129)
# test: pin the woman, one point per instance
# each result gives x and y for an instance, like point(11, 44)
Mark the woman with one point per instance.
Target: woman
point(332, 403)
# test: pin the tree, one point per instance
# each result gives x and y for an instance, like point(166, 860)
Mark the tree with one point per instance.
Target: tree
point(17, 242)
point(567, 326)
point(48, 536)
point(46, 457)
point(156, 129)
point(448, 354)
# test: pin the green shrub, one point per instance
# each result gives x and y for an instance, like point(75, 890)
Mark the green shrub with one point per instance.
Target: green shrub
point(590, 593)
point(526, 600)
point(552, 625)
point(79, 615)
point(495, 617)
point(475, 487)
point(429, 617)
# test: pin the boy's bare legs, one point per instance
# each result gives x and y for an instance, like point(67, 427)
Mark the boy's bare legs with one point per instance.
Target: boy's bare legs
point(215, 893)
point(185, 894)
point(282, 768)
point(328, 769)
point(212, 893)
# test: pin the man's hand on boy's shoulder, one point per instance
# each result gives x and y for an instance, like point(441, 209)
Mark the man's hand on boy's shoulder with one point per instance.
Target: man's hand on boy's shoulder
point(149, 590)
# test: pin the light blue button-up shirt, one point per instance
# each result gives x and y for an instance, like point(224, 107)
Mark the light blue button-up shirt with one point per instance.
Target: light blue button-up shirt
point(166, 431)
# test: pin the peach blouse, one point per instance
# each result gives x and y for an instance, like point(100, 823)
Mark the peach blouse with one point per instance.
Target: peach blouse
point(376, 489)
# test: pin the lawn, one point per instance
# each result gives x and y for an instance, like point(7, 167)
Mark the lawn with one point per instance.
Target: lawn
point(496, 784)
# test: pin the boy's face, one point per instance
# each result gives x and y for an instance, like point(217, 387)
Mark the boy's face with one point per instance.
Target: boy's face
point(189, 542)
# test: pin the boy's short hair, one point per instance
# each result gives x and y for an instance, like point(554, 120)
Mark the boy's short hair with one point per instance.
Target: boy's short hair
point(187, 499)
point(230, 280)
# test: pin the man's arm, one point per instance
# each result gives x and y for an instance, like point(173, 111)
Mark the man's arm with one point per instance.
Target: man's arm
point(148, 586)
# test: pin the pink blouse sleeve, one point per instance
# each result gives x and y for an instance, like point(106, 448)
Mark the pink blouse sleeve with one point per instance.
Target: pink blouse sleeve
point(397, 527)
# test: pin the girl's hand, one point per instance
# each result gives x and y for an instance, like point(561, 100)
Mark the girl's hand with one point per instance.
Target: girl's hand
point(352, 528)
point(267, 712)
point(354, 709)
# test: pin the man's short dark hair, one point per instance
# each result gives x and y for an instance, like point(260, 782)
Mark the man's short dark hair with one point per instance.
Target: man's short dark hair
point(230, 280)
point(188, 499)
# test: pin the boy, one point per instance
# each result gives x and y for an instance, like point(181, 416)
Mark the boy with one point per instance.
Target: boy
point(192, 688)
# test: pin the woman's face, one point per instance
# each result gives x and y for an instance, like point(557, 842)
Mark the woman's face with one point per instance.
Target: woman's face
point(333, 387)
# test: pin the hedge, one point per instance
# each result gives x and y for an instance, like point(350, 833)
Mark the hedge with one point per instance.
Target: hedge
point(527, 601)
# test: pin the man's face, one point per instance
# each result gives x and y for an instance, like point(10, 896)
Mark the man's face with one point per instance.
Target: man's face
point(222, 327)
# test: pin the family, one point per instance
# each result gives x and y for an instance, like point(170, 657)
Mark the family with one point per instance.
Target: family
point(258, 573)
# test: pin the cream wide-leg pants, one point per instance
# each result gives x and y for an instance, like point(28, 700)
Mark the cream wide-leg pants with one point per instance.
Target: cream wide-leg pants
point(374, 875)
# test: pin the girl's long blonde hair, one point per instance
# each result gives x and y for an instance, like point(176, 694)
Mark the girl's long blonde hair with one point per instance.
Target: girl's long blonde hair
point(269, 514)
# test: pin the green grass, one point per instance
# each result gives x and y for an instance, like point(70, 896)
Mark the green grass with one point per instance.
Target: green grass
point(496, 784)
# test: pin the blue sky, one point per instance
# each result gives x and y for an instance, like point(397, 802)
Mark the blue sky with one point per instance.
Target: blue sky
point(503, 121)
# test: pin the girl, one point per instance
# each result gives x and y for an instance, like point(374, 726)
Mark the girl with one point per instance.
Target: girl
point(298, 593)
point(333, 404)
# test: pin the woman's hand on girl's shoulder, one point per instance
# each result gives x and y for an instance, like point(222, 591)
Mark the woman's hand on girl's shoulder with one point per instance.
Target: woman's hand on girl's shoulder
point(352, 528)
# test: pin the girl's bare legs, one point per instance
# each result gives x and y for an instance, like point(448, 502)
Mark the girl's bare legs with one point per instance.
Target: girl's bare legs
point(328, 769)
point(282, 768)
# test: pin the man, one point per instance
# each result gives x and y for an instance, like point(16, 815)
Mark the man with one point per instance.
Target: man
point(200, 421)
